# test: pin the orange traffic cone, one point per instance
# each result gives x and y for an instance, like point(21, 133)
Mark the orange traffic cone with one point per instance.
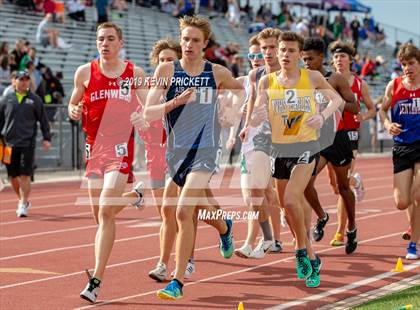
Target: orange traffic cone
point(241, 306)
point(399, 267)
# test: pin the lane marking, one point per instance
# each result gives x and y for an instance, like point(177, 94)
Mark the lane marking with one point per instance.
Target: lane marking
point(25, 270)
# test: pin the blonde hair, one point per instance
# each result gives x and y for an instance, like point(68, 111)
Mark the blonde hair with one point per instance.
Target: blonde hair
point(253, 41)
point(269, 33)
point(290, 36)
point(161, 45)
point(198, 22)
point(110, 25)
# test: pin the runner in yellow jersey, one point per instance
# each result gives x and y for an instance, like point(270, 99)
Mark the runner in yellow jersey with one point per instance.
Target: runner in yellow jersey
point(286, 103)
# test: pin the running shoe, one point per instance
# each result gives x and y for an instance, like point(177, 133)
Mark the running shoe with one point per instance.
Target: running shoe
point(276, 247)
point(244, 251)
point(139, 190)
point(226, 241)
point(359, 189)
point(303, 264)
point(172, 291)
point(338, 240)
point(314, 279)
point(22, 210)
point(412, 251)
point(159, 273)
point(263, 247)
point(318, 232)
point(188, 272)
point(91, 291)
point(351, 244)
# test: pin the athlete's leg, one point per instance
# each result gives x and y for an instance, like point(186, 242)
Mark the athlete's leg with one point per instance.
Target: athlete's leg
point(192, 194)
point(415, 217)
point(274, 210)
point(15, 182)
point(253, 227)
point(109, 206)
point(402, 188)
point(311, 193)
point(347, 199)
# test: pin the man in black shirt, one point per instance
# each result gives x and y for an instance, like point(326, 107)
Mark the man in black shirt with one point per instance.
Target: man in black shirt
point(19, 113)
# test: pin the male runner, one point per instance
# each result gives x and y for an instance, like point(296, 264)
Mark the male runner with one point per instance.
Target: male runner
point(288, 96)
point(339, 154)
point(193, 132)
point(256, 58)
point(342, 54)
point(402, 95)
point(262, 193)
point(105, 92)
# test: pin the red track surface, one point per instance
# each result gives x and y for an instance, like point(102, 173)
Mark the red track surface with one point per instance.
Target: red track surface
point(58, 238)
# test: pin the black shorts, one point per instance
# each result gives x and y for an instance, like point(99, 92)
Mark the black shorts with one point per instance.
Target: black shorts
point(354, 139)
point(282, 166)
point(340, 153)
point(181, 163)
point(405, 157)
point(22, 161)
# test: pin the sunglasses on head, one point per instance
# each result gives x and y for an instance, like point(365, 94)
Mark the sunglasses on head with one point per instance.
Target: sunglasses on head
point(253, 56)
point(25, 78)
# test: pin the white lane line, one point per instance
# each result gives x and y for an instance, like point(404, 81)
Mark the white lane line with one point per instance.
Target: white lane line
point(154, 257)
point(235, 273)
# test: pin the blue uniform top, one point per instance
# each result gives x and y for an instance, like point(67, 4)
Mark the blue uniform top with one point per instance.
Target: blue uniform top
point(194, 125)
point(406, 111)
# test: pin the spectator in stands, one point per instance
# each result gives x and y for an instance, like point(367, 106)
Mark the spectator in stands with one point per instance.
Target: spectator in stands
point(368, 69)
point(168, 6)
point(32, 74)
point(46, 34)
point(102, 9)
point(11, 87)
point(355, 28)
point(337, 28)
point(302, 27)
point(4, 72)
point(28, 57)
point(18, 54)
point(50, 91)
point(121, 6)
point(4, 48)
point(49, 7)
point(20, 111)
point(396, 49)
point(237, 66)
point(357, 65)
point(76, 10)
point(233, 14)
point(373, 123)
point(184, 8)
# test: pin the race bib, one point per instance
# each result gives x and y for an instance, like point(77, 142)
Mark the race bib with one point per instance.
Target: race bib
point(87, 151)
point(353, 135)
point(121, 150)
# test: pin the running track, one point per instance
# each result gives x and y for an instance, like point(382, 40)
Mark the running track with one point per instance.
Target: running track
point(55, 245)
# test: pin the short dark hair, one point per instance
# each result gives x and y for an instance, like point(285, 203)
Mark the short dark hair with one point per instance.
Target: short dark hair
point(290, 36)
point(314, 44)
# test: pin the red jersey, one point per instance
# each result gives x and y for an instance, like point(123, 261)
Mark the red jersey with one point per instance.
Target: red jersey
point(349, 120)
point(108, 103)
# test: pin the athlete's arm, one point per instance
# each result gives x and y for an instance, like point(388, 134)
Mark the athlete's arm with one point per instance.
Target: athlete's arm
point(140, 85)
point(75, 105)
point(393, 128)
point(225, 80)
point(371, 113)
point(335, 101)
point(261, 103)
point(343, 88)
point(252, 76)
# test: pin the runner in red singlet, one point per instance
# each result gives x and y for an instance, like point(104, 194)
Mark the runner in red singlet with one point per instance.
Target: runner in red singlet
point(104, 96)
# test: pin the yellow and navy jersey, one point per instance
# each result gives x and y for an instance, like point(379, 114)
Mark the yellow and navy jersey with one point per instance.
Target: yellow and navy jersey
point(289, 108)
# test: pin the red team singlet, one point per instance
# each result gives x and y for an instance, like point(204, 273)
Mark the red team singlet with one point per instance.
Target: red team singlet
point(107, 106)
point(349, 121)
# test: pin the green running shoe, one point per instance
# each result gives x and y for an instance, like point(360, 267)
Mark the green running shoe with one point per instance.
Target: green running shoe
point(303, 264)
point(314, 280)
point(172, 291)
point(226, 241)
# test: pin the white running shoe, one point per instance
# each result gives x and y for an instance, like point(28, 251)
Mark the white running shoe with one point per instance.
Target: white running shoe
point(139, 190)
point(22, 210)
point(359, 189)
point(244, 251)
point(276, 247)
point(188, 272)
point(411, 256)
point(159, 273)
point(263, 247)
point(91, 291)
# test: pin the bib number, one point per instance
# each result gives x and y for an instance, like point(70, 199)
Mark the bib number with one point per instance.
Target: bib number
point(205, 95)
point(121, 150)
point(353, 135)
point(87, 151)
point(304, 158)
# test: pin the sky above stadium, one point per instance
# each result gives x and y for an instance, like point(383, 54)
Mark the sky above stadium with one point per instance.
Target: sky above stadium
point(404, 14)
